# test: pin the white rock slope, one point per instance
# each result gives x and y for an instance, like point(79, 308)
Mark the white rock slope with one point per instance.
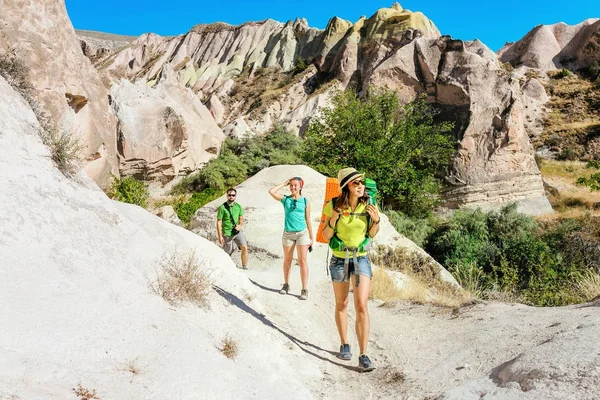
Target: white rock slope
point(75, 303)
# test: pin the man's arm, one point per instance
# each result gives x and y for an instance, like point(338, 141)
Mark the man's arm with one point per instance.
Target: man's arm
point(220, 230)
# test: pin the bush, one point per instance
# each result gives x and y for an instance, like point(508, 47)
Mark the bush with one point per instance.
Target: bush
point(401, 147)
point(242, 158)
point(129, 190)
point(65, 149)
point(563, 73)
point(229, 347)
point(508, 251)
point(593, 182)
point(416, 229)
point(185, 210)
point(180, 280)
point(595, 164)
point(300, 65)
point(568, 154)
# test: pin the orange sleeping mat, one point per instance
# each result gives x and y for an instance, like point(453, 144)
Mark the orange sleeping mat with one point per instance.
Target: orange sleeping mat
point(332, 189)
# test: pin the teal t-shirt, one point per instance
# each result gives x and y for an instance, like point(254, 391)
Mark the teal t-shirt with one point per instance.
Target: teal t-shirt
point(295, 213)
point(236, 210)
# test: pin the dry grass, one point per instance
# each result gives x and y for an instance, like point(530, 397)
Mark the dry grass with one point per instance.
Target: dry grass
point(589, 285)
point(65, 149)
point(229, 347)
point(133, 367)
point(425, 285)
point(181, 280)
point(84, 393)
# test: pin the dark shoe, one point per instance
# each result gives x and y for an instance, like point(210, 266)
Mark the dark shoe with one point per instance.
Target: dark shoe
point(244, 267)
point(364, 364)
point(285, 289)
point(304, 294)
point(345, 353)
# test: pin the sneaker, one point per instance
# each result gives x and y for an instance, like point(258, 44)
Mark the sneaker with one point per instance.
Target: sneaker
point(345, 353)
point(304, 294)
point(364, 364)
point(285, 289)
point(244, 267)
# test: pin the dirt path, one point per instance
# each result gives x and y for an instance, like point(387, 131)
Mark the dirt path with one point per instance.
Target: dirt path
point(421, 351)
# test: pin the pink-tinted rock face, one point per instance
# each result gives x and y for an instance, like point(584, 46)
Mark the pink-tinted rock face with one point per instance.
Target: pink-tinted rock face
point(494, 163)
point(549, 47)
point(67, 85)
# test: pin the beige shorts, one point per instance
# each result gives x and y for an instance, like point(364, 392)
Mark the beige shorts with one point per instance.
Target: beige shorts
point(291, 238)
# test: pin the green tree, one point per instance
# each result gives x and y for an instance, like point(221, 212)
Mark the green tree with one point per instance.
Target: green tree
point(401, 147)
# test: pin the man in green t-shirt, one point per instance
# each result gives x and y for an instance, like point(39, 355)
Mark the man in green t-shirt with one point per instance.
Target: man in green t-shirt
point(230, 218)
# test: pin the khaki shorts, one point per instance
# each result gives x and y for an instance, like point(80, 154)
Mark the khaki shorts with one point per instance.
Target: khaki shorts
point(301, 238)
point(228, 241)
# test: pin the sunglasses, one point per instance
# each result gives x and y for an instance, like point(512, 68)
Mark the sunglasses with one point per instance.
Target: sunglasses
point(358, 182)
point(231, 195)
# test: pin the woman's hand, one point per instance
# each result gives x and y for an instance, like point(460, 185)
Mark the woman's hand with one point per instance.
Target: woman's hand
point(373, 213)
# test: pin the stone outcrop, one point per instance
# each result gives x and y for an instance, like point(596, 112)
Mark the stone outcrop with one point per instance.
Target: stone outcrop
point(67, 86)
point(397, 48)
point(494, 163)
point(77, 306)
point(548, 47)
point(163, 132)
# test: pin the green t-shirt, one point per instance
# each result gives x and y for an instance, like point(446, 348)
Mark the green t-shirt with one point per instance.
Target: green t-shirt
point(351, 229)
point(236, 210)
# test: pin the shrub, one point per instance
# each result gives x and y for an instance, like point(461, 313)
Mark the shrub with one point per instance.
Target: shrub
point(85, 393)
point(508, 251)
point(129, 190)
point(180, 280)
point(401, 147)
point(416, 229)
point(65, 149)
point(241, 158)
point(185, 210)
point(229, 347)
point(563, 73)
point(593, 182)
point(588, 285)
point(300, 65)
point(568, 154)
point(593, 164)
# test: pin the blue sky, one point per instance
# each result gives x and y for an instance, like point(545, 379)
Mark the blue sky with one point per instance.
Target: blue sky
point(492, 22)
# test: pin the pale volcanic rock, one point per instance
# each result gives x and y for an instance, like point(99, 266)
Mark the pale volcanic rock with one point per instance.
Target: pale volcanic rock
point(494, 163)
point(548, 47)
point(42, 36)
point(163, 131)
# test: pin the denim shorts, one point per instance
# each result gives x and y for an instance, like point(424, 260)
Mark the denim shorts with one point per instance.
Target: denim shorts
point(336, 268)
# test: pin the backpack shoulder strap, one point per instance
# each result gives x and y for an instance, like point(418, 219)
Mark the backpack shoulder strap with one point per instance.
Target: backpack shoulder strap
point(229, 211)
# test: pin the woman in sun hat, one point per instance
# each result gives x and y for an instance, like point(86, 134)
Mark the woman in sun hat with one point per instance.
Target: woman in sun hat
point(297, 231)
point(351, 219)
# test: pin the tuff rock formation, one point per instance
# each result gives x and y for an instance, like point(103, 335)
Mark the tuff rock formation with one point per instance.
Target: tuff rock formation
point(548, 47)
point(163, 132)
point(67, 86)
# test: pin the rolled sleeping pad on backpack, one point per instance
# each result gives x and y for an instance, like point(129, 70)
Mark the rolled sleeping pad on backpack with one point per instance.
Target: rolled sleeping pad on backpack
point(332, 189)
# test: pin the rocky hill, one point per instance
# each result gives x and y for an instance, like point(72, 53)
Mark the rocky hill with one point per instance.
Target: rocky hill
point(548, 47)
point(255, 75)
point(82, 316)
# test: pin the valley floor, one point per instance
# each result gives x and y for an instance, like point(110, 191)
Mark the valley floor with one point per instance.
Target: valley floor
point(488, 350)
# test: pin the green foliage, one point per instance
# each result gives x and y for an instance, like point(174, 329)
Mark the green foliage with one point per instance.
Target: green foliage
point(416, 229)
point(593, 182)
point(593, 164)
point(300, 65)
point(512, 254)
point(186, 209)
point(563, 73)
point(241, 158)
point(401, 147)
point(129, 190)
point(567, 153)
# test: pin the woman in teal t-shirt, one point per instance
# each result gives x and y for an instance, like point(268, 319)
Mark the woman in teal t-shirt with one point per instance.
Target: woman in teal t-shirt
point(297, 231)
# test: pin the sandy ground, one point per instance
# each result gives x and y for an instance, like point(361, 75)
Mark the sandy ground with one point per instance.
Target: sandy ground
point(422, 351)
